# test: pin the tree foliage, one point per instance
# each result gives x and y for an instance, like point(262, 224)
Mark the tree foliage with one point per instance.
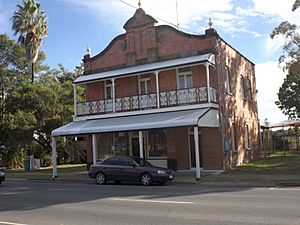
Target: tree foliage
point(29, 112)
point(289, 92)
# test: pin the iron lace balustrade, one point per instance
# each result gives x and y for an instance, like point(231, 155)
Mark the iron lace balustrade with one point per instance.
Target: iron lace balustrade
point(148, 101)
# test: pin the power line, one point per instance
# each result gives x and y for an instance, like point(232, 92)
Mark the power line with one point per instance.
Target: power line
point(167, 22)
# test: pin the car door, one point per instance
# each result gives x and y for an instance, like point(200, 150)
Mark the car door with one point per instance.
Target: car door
point(129, 170)
point(111, 167)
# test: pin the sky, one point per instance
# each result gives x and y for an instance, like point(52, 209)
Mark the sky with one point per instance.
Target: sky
point(244, 24)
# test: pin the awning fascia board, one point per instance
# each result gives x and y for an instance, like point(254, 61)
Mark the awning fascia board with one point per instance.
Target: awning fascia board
point(196, 117)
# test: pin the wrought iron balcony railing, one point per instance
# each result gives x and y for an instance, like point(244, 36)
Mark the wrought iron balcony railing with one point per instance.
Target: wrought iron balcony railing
point(147, 101)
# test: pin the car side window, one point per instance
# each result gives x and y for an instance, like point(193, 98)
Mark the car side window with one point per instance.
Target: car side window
point(111, 161)
point(126, 162)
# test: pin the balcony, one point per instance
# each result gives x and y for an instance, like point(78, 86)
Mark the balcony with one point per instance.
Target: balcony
point(149, 101)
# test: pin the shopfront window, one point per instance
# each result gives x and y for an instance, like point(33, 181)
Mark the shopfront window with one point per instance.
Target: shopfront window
point(157, 143)
point(110, 144)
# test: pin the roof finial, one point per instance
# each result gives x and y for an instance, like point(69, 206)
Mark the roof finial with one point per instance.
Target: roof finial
point(210, 23)
point(88, 49)
point(139, 4)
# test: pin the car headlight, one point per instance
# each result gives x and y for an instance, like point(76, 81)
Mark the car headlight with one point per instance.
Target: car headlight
point(161, 172)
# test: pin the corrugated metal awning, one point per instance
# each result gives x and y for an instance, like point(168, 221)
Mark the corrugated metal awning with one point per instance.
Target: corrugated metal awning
point(206, 117)
point(147, 68)
point(286, 123)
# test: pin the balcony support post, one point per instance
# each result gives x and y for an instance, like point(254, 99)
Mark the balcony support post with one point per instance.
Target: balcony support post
point(75, 100)
point(54, 161)
point(141, 143)
point(197, 153)
point(94, 143)
point(157, 89)
point(208, 82)
point(113, 95)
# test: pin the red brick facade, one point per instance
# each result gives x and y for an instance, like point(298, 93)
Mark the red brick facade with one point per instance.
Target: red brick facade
point(145, 43)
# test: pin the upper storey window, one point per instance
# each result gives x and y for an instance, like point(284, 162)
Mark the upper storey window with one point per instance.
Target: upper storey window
point(243, 90)
point(144, 85)
point(228, 80)
point(184, 78)
point(249, 89)
point(108, 89)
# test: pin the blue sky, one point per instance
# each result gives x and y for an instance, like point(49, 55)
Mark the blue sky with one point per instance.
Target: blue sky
point(245, 24)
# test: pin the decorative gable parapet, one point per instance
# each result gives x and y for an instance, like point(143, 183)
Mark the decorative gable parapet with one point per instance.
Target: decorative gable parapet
point(140, 19)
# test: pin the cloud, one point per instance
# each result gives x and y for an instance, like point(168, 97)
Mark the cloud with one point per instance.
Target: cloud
point(272, 46)
point(280, 9)
point(192, 15)
point(269, 78)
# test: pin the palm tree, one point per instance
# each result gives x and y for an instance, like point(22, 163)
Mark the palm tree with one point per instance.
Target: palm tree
point(30, 23)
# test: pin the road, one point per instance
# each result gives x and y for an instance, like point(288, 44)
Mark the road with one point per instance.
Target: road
point(48, 202)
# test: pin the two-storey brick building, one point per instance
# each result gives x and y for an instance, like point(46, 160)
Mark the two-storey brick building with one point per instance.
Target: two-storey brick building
point(179, 100)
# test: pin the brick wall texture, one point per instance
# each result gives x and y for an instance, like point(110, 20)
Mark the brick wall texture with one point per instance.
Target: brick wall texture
point(143, 42)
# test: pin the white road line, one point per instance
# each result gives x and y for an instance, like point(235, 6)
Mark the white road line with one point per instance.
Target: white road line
point(151, 201)
point(284, 189)
point(10, 223)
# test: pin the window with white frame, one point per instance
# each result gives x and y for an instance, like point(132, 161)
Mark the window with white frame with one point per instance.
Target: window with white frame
point(184, 78)
point(144, 85)
point(247, 144)
point(228, 80)
point(108, 89)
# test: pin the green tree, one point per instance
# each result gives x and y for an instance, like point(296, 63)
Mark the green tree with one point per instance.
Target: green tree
point(29, 112)
point(30, 23)
point(296, 5)
point(289, 92)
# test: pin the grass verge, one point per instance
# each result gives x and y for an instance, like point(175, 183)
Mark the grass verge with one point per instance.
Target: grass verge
point(67, 171)
point(277, 169)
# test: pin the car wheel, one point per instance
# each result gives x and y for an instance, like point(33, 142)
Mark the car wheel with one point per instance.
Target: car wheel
point(146, 179)
point(100, 178)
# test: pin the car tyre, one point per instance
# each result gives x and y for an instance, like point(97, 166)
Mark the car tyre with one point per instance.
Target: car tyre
point(100, 178)
point(146, 179)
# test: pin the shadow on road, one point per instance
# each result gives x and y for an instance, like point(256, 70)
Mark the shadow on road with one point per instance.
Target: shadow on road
point(29, 195)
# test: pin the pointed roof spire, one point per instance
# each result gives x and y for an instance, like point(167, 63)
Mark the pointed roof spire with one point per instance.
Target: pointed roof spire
point(210, 23)
point(88, 50)
point(139, 4)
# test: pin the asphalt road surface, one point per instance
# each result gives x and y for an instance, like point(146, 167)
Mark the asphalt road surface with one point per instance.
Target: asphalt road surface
point(47, 202)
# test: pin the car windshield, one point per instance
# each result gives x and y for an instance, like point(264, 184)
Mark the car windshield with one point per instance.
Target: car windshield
point(142, 162)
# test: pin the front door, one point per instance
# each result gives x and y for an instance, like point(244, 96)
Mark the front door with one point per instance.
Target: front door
point(192, 148)
point(135, 147)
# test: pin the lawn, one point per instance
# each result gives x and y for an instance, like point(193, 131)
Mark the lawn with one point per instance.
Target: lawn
point(46, 172)
point(276, 164)
point(276, 169)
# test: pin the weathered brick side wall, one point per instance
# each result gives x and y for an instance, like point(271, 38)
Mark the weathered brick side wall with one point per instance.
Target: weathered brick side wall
point(235, 109)
point(178, 146)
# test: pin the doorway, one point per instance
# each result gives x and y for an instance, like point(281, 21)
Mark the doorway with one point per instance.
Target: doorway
point(135, 147)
